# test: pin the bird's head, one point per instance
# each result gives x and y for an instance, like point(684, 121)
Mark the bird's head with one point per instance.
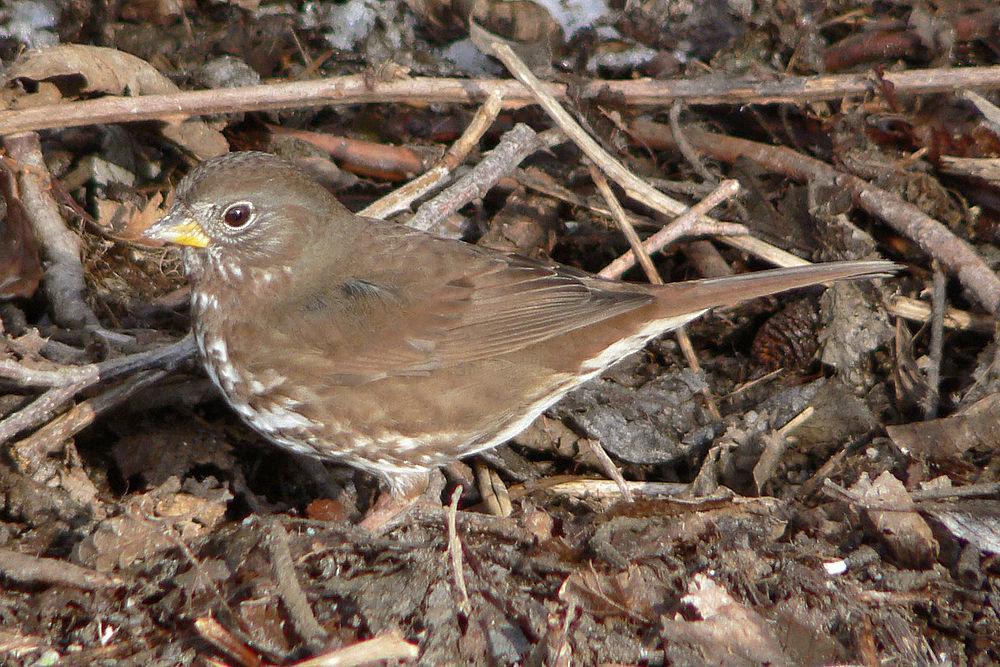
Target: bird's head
point(248, 209)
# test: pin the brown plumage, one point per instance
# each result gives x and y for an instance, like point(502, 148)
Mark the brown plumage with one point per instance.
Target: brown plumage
point(391, 349)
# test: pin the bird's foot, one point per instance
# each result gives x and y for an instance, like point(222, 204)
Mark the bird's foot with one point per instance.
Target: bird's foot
point(391, 508)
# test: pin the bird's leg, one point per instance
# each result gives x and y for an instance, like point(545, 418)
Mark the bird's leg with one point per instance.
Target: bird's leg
point(405, 492)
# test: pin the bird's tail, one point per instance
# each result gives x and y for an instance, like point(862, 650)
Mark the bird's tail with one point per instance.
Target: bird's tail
point(698, 295)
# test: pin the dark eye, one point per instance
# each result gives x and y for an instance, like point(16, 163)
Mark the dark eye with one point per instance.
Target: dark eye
point(237, 215)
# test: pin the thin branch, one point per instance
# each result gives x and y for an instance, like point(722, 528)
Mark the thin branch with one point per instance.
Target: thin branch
point(634, 186)
point(918, 311)
point(388, 648)
point(455, 551)
point(29, 452)
point(63, 281)
point(292, 596)
point(166, 356)
point(936, 348)
point(692, 222)
point(401, 198)
point(359, 89)
point(28, 569)
point(513, 148)
point(39, 411)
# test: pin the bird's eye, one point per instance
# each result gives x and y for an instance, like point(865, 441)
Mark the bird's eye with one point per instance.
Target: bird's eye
point(237, 215)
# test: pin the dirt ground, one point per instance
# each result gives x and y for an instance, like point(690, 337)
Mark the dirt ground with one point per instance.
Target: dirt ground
point(822, 488)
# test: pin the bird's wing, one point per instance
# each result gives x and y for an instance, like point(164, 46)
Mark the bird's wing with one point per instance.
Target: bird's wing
point(464, 304)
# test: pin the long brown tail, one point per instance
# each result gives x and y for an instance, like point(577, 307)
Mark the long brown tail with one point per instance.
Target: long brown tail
point(696, 295)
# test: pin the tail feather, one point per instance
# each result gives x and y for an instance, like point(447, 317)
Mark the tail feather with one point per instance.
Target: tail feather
point(697, 295)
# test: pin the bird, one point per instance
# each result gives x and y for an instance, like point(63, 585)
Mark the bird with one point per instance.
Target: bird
point(393, 350)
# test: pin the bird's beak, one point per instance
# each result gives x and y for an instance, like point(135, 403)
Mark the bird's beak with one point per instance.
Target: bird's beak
point(177, 226)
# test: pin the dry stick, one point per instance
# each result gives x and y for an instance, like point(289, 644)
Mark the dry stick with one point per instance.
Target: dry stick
point(71, 380)
point(455, 551)
point(401, 198)
point(936, 347)
point(289, 590)
point(359, 89)
point(707, 259)
point(493, 490)
point(982, 490)
point(989, 110)
point(28, 569)
point(221, 638)
point(64, 282)
point(685, 148)
point(583, 487)
point(693, 222)
point(513, 148)
point(609, 468)
point(691, 155)
point(653, 276)
point(619, 216)
point(39, 411)
point(634, 186)
point(933, 237)
point(918, 311)
point(389, 648)
point(165, 356)
point(556, 191)
point(702, 253)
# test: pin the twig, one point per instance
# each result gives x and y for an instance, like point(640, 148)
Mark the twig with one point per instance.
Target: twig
point(918, 311)
point(39, 411)
point(685, 148)
point(989, 110)
point(708, 261)
point(63, 281)
point(455, 551)
point(28, 569)
point(359, 89)
point(493, 490)
point(609, 468)
point(514, 147)
point(530, 179)
point(580, 487)
point(935, 350)
point(982, 490)
point(401, 198)
point(86, 375)
point(289, 590)
point(933, 237)
point(619, 216)
point(634, 186)
point(385, 648)
point(221, 638)
point(692, 222)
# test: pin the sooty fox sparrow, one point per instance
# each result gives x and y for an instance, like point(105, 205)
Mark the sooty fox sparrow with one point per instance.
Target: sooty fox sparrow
point(394, 350)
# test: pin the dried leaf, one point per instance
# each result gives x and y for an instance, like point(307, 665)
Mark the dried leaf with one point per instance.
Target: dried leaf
point(20, 265)
point(80, 69)
point(975, 521)
point(125, 221)
point(950, 437)
point(634, 593)
point(729, 632)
